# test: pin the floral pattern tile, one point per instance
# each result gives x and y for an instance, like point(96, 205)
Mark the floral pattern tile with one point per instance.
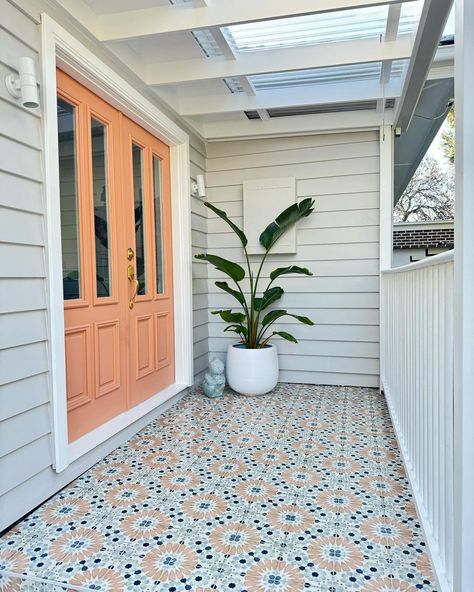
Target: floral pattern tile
point(301, 489)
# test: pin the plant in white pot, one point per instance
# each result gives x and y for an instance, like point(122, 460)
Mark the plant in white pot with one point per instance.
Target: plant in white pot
point(252, 364)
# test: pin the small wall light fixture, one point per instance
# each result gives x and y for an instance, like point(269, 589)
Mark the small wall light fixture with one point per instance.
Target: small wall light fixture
point(198, 187)
point(23, 85)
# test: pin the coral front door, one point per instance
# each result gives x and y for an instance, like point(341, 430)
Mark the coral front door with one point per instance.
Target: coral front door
point(148, 229)
point(116, 257)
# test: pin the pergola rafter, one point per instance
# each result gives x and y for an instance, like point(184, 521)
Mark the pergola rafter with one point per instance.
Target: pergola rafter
point(280, 60)
point(169, 19)
point(391, 33)
point(366, 90)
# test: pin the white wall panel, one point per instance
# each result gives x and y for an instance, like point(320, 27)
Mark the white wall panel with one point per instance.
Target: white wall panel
point(339, 243)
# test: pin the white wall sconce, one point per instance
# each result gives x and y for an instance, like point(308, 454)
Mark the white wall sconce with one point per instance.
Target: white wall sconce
point(198, 187)
point(23, 85)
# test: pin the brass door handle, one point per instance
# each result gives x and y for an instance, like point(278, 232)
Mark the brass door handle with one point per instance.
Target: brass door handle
point(131, 302)
point(132, 278)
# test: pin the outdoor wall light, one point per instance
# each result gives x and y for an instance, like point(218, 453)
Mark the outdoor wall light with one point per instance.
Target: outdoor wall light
point(198, 187)
point(23, 85)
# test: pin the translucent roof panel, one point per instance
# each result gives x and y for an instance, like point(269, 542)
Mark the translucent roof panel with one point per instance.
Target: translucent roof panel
point(353, 72)
point(326, 27)
point(316, 76)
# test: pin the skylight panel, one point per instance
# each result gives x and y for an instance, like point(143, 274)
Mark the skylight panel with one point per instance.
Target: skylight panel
point(410, 17)
point(309, 29)
point(353, 72)
point(342, 25)
point(399, 68)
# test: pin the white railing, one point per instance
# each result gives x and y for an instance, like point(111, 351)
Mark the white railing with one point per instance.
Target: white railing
point(417, 378)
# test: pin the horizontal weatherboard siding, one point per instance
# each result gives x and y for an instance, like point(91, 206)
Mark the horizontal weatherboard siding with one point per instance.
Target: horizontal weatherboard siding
point(339, 243)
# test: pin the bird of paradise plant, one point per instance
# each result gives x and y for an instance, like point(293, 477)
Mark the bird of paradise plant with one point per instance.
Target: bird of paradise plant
point(255, 322)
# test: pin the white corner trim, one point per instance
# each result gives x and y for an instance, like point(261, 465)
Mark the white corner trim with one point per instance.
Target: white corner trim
point(60, 48)
point(386, 142)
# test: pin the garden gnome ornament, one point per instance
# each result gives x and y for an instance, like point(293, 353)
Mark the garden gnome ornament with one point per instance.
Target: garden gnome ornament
point(214, 379)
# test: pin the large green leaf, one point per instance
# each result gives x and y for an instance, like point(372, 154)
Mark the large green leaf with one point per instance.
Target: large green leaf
point(285, 221)
point(269, 297)
point(304, 320)
point(274, 315)
point(237, 295)
point(289, 270)
point(238, 231)
point(286, 336)
point(233, 270)
point(230, 317)
point(239, 329)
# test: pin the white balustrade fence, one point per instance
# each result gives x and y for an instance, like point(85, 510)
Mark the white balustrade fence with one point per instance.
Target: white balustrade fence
point(417, 377)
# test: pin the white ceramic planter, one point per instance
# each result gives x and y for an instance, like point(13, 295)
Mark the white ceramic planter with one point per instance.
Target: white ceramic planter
point(252, 371)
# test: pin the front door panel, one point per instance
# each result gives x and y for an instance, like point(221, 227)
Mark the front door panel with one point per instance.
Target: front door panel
point(116, 254)
point(149, 236)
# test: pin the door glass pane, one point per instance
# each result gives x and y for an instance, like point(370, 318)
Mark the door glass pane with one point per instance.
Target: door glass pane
point(68, 200)
point(101, 211)
point(160, 267)
point(137, 158)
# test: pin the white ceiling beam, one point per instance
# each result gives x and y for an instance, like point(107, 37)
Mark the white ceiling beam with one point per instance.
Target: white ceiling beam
point(248, 87)
point(166, 19)
point(433, 19)
point(393, 21)
point(200, 3)
point(221, 131)
point(280, 60)
point(367, 90)
point(391, 33)
point(223, 44)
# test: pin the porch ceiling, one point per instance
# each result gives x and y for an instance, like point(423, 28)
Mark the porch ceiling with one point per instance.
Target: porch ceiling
point(236, 69)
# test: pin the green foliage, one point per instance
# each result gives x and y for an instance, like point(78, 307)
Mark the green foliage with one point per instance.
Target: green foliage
point(233, 270)
point(270, 296)
point(248, 324)
point(284, 221)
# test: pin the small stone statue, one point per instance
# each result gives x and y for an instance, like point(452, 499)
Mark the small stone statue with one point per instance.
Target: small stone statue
point(214, 379)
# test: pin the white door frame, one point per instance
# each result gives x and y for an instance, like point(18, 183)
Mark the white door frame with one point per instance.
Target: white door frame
point(60, 48)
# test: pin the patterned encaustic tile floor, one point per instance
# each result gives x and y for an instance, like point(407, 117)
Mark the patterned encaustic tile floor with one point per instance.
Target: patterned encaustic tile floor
point(301, 489)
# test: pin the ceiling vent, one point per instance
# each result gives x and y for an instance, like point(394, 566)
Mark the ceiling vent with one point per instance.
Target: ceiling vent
point(252, 115)
point(318, 109)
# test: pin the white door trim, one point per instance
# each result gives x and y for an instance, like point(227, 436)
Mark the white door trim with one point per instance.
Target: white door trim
point(60, 48)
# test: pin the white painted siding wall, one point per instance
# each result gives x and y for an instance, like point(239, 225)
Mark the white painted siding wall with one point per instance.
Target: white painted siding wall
point(26, 476)
point(199, 223)
point(25, 426)
point(339, 243)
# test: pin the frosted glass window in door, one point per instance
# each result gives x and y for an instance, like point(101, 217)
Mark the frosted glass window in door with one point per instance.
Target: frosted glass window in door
point(71, 257)
point(100, 199)
point(139, 213)
point(157, 200)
